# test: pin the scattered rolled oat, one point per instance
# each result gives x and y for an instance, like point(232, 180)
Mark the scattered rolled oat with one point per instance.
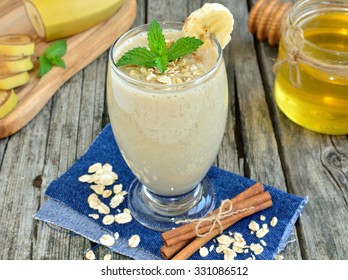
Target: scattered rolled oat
point(262, 232)
point(93, 168)
point(107, 193)
point(98, 189)
point(114, 176)
point(254, 226)
point(219, 249)
point(116, 235)
point(103, 208)
point(203, 252)
point(274, 221)
point(92, 196)
point(90, 255)
point(256, 248)
point(94, 216)
point(240, 243)
point(229, 254)
point(93, 201)
point(262, 218)
point(123, 218)
point(106, 179)
point(279, 257)
point(107, 240)
point(263, 243)
point(118, 188)
point(239, 237)
point(123, 193)
point(237, 249)
point(107, 167)
point(225, 240)
point(84, 178)
point(108, 219)
point(107, 257)
point(134, 241)
point(116, 200)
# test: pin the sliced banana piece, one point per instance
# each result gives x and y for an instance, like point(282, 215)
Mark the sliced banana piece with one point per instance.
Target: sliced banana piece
point(8, 101)
point(13, 80)
point(14, 64)
point(211, 19)
point(16, 45)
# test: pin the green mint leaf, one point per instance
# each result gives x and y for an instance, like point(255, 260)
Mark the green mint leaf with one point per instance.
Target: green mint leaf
point(138, 56)
point(52, 57)
point(156, 40)
point(57, 49)
point(158, 55)
point(183, 46)
point(57, 61)
point(45, 66)
point(162, 63)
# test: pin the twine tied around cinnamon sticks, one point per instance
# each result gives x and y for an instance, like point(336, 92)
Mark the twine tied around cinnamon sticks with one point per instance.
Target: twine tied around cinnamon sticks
point(215, 219)
point(294, 42)
point(180, 243)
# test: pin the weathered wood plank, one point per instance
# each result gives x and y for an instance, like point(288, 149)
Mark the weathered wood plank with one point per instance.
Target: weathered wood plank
point(315, 165)
point(60, 155)
point(170, 10)
point(258, 141)
point(22, 161)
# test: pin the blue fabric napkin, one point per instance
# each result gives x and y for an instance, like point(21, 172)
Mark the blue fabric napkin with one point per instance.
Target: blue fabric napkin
point(67, 207)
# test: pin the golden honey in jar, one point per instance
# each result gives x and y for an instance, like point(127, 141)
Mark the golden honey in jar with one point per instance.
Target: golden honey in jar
point(311, 85)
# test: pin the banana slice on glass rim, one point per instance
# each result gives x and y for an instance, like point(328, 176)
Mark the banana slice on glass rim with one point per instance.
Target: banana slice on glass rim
point(211, 19)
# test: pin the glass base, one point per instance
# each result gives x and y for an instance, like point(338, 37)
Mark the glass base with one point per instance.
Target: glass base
point(161, 212)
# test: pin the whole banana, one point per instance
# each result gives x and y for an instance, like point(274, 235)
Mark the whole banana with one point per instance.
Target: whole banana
point(54, 19)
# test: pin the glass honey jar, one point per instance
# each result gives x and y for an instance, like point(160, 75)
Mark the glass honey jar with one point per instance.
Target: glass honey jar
point(311, 84)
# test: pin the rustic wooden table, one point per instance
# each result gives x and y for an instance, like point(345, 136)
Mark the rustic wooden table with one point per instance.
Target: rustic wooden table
point(260, 143)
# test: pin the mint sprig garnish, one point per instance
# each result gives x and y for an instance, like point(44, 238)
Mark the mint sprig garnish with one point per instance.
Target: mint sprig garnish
point(158, 55)
point(52, 57)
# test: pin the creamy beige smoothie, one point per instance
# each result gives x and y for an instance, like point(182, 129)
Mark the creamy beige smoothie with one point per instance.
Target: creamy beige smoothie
point(169, 126)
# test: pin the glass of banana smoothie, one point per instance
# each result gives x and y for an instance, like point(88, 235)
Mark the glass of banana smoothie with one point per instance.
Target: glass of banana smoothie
point(169, 127)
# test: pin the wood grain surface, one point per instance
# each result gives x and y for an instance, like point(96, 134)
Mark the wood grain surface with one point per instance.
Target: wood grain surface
point(259, 142)
point(83, 48)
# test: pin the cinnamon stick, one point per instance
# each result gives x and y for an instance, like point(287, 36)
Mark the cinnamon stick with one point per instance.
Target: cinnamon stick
point(246, 207)
point(198, 242)
point(249, 192)
point(169, 251)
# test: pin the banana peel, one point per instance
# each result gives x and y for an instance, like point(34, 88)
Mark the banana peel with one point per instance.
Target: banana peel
point(54, 19)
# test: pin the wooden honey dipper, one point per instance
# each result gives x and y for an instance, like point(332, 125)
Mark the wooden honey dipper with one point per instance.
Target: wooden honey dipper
point(265, 19)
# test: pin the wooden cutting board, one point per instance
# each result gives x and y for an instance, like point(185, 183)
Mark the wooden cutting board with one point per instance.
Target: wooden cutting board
point(83, 49)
